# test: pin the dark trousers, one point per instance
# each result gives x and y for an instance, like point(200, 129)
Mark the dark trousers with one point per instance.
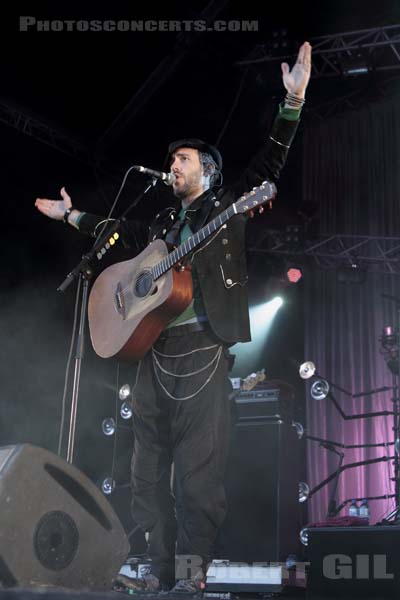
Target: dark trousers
point(191, 433)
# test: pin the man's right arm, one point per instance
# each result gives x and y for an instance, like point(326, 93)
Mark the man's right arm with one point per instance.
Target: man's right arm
point(134, 233)
point(57, 209)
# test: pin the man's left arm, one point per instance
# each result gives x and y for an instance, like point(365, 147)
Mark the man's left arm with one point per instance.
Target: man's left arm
point(270, 160)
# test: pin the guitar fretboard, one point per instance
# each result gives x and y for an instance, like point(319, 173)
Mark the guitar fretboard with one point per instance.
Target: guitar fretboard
point(247, 202)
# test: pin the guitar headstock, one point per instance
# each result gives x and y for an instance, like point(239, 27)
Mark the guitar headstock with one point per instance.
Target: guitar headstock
point(251, 380)
point(263, 194)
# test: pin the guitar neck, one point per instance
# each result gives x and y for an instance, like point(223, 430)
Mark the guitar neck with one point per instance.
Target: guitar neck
point(258, 196)
point(192, 242)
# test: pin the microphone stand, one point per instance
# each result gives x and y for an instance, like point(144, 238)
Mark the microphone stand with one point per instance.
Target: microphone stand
point(84, 271)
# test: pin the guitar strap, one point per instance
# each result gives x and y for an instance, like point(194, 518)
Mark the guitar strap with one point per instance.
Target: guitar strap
point(173, 235)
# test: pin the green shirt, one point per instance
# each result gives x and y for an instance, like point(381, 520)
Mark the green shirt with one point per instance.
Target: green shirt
point(195, 310)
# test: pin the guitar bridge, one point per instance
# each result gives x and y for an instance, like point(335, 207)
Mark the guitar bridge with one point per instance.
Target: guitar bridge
point(119, 301)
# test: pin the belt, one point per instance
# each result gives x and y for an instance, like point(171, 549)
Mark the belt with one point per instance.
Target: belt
point(184, 329)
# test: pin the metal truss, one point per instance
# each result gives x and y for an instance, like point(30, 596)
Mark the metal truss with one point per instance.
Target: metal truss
point(57, 139)
point(379, 46)
point(371, 253)
point(43, 132)
point(183, 46)
point(354, 100)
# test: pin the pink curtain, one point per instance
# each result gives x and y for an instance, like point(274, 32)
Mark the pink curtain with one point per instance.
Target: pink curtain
point(352, 170)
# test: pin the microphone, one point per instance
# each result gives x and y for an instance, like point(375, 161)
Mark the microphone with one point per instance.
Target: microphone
point(167, 178)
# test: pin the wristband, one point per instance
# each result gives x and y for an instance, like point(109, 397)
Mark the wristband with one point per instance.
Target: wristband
point(67, 213)
point(294, 101)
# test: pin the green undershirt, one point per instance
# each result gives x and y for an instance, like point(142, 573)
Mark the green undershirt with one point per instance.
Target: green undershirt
point(196, 309)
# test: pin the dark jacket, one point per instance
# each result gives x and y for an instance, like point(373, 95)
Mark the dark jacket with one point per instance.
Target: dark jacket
point(220, 261)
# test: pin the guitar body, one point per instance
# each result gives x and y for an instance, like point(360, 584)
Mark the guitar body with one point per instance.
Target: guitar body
point(128, 310)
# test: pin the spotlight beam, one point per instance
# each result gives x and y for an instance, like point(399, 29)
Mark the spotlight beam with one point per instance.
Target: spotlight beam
point(261, 321)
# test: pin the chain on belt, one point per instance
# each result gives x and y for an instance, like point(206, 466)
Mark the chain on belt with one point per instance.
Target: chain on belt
point(158, 368)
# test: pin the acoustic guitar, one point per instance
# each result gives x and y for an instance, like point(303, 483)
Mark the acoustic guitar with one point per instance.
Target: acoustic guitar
point(131, 302)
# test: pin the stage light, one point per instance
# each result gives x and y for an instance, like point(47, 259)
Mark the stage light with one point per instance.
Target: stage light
point(279, 44)
point(261, 316)
point(125, 391)
point(109, 426)
point(304, 491)
point(307, 369)
point(294, 237)
point(261, 320)
point(354, 65)
point(126, 410)
point(353, 274)
point(276, 303)
point(299, 429)
point(390, 348)
point(294, 274)
point(108, 486)
point(319, 389)
point(389, 338)
point(304, 536)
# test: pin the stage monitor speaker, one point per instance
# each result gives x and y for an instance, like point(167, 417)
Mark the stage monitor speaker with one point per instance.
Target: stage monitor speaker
point(264, 516)
point(56, 527)
point(354, 562)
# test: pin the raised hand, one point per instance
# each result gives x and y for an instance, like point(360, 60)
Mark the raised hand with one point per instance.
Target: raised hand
point(296, 80)
point(54, 209)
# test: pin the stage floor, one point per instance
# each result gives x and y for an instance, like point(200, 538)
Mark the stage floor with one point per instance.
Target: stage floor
point(45, 593)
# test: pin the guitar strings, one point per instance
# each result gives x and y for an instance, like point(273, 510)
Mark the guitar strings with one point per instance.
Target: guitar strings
point(151, 270)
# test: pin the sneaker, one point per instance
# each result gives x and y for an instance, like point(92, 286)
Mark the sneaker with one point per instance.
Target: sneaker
point(189, 586)
point(147, 583)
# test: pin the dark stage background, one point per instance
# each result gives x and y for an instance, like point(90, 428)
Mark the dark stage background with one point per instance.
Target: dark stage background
point(78, 108)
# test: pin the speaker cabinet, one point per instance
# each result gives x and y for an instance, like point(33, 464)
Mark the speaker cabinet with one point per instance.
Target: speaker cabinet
point(263, 519)
point(56, 527)
point(354, 562)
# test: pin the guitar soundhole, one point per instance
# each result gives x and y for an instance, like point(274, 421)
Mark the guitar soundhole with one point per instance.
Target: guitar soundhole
point(143, 284)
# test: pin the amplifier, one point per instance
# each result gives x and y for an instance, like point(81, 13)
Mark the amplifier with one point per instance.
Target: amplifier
point(273, 402)
point(261, 482)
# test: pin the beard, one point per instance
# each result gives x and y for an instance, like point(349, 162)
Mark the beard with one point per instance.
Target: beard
point(185, 187)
